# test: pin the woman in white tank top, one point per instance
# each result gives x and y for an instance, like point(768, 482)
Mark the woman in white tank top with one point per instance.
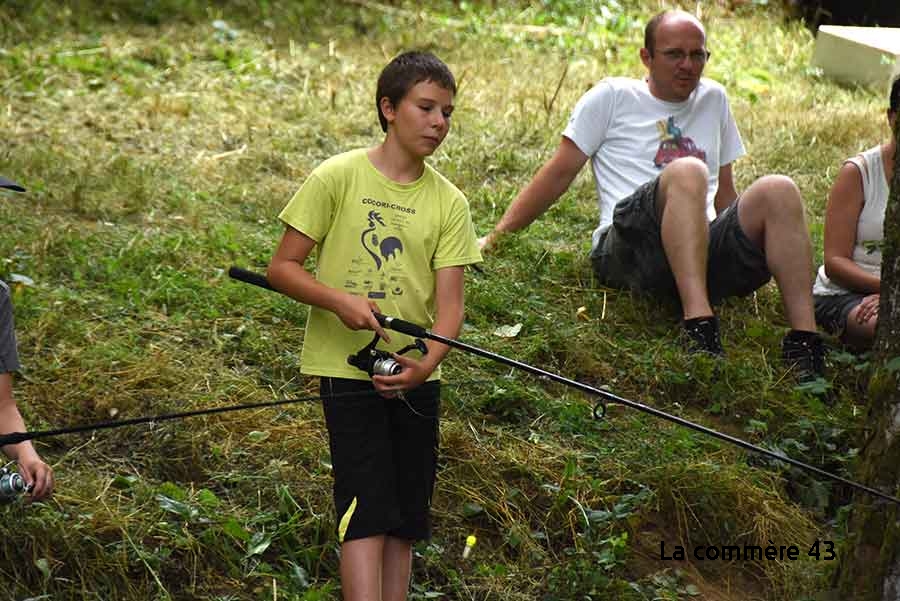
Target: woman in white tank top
point(848, 285)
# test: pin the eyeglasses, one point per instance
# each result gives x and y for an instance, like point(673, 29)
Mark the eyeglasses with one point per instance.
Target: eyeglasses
point(698, 57)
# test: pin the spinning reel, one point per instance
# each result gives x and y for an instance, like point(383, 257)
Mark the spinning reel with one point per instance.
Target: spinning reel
point(376, 362)
point(11, 484)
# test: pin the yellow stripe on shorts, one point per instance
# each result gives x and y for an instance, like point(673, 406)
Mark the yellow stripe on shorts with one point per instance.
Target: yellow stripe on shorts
point(345, 520)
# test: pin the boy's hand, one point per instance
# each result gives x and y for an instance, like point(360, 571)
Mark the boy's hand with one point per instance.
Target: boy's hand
point(414, 374)
point(356, 313)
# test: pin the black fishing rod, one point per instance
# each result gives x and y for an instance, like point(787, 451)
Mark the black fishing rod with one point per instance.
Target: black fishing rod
point(417, 331)
point(17, 437)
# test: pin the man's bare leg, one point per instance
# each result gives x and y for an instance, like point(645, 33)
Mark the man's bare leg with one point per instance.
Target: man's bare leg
point(771, 214)
point(681, 206)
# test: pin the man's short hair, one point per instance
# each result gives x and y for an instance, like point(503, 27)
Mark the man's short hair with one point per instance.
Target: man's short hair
point(653, 25)
point(650, 31)
point(405, 71)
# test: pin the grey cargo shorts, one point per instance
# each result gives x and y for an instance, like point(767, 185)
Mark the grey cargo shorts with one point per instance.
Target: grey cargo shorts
point(630, 255)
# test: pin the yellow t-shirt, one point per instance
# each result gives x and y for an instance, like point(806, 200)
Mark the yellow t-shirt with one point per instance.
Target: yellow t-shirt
point(378, 239)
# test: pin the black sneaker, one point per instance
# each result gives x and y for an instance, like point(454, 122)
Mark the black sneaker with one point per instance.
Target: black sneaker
point(702, 336)
point(804, 353)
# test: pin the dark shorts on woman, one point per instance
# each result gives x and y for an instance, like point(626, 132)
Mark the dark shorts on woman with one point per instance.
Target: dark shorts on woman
point(832, 310)
point(630, 254)
point(384, 458)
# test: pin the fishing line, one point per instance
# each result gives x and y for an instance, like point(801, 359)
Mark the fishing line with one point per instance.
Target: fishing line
point(417, 331)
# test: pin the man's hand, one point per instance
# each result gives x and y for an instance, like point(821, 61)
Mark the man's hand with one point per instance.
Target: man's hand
point(37, 475)
point(489, 242)
point(545, 188)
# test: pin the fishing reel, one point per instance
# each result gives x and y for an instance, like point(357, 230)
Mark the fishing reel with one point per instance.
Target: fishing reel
point(11, 484)
point(376, 362)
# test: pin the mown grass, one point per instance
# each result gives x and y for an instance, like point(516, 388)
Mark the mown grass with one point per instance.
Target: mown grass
point(158, 144)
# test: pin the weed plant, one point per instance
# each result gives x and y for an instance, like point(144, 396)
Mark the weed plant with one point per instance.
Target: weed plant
point(159, 139)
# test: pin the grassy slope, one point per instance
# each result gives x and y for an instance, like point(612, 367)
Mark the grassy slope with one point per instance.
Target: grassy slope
point(158, 152)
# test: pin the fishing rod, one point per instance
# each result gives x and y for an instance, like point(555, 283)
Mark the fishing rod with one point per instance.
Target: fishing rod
point(17, 437)
point(417, 331)
point(12, 484)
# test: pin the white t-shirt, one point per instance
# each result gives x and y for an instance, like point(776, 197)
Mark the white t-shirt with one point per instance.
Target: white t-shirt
point(870, 227)
point(631, 135)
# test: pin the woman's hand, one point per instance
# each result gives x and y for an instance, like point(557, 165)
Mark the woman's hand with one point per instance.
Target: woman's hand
point(868, 308)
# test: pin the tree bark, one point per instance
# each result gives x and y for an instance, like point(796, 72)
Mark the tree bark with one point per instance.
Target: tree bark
point(870, 561)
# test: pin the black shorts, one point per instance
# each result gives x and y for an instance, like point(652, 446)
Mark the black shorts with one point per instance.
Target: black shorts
point(832, 310)
point(384, 458)
point(630, 255)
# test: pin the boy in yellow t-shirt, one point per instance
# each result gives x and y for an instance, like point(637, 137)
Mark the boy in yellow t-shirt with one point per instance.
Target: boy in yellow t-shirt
point(393, 236)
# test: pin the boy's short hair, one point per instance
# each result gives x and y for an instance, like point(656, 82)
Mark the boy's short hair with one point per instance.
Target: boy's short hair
point(405, 71)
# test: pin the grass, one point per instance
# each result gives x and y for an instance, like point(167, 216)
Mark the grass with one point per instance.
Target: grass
point(159, 140)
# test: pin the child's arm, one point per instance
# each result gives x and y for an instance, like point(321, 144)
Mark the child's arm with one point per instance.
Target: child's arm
point(36, 473)
point(450, 308)
point(287, 274)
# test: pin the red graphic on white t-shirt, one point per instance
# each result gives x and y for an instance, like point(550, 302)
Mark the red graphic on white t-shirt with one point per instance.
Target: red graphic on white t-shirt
point(674, 144)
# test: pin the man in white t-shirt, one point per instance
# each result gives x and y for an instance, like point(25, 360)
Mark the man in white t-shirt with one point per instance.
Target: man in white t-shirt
point(671, 222)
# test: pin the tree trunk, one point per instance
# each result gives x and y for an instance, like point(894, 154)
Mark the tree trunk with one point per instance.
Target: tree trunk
point(870, 561)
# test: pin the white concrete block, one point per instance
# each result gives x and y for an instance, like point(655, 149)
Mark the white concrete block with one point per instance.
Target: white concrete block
point(863, 55)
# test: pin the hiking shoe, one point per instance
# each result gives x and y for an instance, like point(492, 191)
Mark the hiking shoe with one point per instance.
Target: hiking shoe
point(702, 336)
point(804, 352)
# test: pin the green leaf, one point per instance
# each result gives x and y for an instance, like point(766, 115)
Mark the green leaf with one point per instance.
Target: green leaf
point(819, 386)
point(760, 74)
point(208, 498)
point(472, 509)
point(258, 544)
point(179, 508)
point(508, 331)
point(755, 425)
point(233, 528)
point(18, 278)
point(123, 482)
point(257, 436)
point(599, 516)
point(893, 365)
point(43, 565)
point(298, 575)
point(173, 491)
